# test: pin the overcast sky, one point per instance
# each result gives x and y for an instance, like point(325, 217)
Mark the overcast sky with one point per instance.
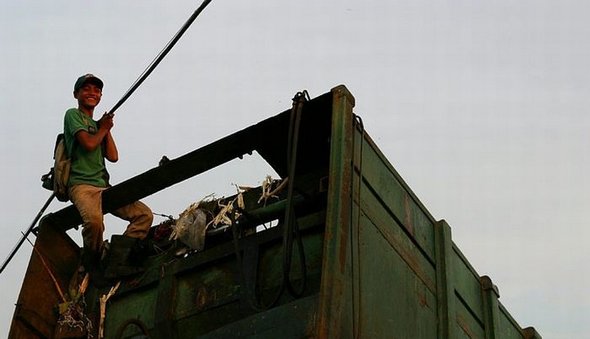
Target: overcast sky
point(481, 106)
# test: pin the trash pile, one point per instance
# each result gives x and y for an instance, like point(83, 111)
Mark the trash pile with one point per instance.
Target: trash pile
point(73, 321)
point(212, 216)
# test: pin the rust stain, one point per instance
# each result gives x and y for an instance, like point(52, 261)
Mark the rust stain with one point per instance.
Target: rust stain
point(202, 297)
point(311, 324)
point(343, 248)
point(409, 257)
point(343, 230)
point(408, 221)
point(465, 327)
point(422, 301)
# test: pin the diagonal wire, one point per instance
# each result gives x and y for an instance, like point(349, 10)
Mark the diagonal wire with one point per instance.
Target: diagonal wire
point(160, 56)
point(61, 294)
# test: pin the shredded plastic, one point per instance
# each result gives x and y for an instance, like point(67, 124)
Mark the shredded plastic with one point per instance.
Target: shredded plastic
point(269, 190)
point(103, 308)
point(72, 313)
point(192, 225)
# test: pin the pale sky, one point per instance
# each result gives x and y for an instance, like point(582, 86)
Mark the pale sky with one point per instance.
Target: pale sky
point(480, 106)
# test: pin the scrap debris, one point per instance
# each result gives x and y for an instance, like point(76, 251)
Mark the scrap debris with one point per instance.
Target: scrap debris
point(268, 191)
point(217, 214)
point(229, 212)
point(193, 223)
point(72, 316)
point(190, 227)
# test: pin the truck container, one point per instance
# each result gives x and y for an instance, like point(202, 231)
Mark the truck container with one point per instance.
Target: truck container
point(344, 250)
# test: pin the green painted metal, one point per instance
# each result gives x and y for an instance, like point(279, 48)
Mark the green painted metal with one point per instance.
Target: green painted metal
point(445, 291)
point(335, 318)
point(377, 264)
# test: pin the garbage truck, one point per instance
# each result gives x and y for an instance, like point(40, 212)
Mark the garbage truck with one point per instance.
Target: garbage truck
point(337, 246)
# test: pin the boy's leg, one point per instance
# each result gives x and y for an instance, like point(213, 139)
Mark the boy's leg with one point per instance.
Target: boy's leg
point(140, 219)
point(128, 251)
point(88, 201)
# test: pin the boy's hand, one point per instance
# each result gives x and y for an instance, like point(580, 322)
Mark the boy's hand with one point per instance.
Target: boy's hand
point(106, 121)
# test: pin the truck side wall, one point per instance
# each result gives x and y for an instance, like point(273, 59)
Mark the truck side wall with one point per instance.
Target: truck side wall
point(393, 271)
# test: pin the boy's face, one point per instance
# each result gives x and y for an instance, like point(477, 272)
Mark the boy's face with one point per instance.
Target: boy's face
point(88, 96)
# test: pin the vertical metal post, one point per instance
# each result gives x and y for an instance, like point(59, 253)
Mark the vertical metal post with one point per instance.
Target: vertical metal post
point(490, 307)
point(335, 306)
point(444, 285)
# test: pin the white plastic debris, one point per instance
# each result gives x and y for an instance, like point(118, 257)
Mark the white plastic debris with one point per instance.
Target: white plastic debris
point(190, 227)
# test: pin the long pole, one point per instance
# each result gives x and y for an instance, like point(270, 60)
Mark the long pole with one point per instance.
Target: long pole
point(25, 234)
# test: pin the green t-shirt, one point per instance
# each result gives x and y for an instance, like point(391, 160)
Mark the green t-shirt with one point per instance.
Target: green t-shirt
point(87, 167)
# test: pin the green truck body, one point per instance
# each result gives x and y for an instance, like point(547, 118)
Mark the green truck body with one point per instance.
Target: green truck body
point(353, 253)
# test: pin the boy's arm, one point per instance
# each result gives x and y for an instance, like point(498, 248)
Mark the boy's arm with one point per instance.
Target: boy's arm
point(110, 148)
point(102, 137)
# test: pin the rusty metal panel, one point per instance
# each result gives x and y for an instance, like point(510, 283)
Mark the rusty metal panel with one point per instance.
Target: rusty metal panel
point(398, 240)
point(397, 196)
point(400, 300)
point(420, 269)
point(395, 302)
point(35, 313)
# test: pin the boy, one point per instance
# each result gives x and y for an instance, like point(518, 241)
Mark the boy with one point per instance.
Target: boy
point(89, 142)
